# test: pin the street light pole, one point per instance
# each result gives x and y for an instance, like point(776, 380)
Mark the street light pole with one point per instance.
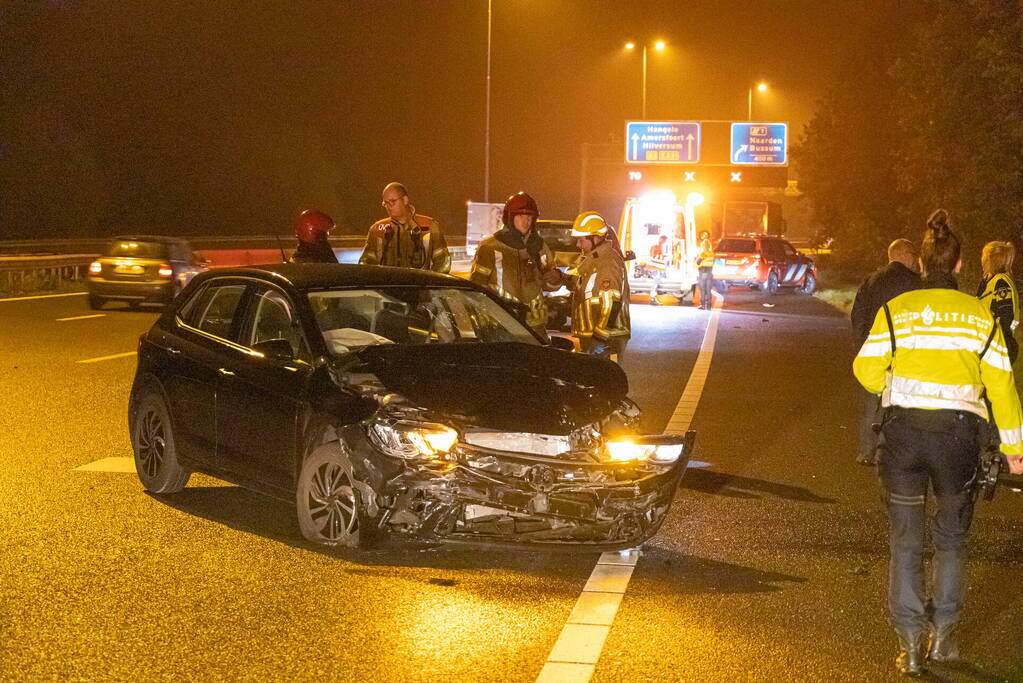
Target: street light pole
point(644, 83)
point(486, 143)
point(761, 87)
point(659, 46)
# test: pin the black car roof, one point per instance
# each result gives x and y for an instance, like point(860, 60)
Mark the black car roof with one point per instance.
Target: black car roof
point(325, 275)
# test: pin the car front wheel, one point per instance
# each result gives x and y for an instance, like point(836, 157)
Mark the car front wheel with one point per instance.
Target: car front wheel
point(156, 457)
point(327, 501)
point(95, 302)
point(809, 284)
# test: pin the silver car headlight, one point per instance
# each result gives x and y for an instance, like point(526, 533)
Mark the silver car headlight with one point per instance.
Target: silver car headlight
point(412, 440)
point(638, 450)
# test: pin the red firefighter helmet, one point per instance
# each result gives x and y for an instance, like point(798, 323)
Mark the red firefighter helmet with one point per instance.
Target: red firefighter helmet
point(518, 204)
point(312, 225)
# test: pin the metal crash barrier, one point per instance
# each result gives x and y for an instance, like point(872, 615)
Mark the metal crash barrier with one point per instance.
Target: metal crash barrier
point(27, 266)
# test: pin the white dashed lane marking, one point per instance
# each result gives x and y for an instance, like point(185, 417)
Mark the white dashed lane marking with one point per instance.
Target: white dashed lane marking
point(577, 650)
point(81, 317)
point(111, 357)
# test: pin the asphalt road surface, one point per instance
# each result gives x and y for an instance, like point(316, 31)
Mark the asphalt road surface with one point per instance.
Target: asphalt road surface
point(771, 566)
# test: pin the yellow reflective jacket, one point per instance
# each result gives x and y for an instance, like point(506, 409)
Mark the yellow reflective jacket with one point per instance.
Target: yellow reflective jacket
point(600, 300)
point(999, 293)
point(705, 257)
point(504, 265)
point(420, 245)
point(948, 354)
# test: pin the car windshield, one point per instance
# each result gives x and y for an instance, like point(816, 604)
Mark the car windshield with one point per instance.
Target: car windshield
point(135, 249)
point(737, 246)
point(354, 318)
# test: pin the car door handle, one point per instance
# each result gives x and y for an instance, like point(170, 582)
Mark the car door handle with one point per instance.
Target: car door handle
point(225, 372)
point(173, 351)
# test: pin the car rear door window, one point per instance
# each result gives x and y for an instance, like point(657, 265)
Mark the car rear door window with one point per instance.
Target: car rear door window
point(772, 250)
point(213, 309)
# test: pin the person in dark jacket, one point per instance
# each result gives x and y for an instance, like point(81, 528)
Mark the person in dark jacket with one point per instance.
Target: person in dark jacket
point(879, 288)
point(311, 229)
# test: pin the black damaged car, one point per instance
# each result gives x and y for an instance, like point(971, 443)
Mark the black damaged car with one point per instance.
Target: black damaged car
point(383, 400)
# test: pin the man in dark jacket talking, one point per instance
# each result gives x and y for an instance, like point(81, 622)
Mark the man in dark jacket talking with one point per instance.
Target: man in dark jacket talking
point(879, 288)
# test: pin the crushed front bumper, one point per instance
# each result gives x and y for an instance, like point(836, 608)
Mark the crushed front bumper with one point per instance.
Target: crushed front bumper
point(509, 498)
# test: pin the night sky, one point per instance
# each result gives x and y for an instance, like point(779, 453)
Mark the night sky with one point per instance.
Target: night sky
point(220, 117)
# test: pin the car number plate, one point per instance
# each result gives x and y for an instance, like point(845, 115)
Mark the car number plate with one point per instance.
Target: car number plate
point(129, 270)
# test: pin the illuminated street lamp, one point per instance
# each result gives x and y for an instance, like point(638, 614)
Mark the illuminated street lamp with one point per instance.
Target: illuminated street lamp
point(659, 46)
point(761, 87)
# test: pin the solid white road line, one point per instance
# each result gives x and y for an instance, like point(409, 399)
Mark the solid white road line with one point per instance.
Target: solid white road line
point(81, 317)
point(43, 296)
point(111, 357)
point(577, 650)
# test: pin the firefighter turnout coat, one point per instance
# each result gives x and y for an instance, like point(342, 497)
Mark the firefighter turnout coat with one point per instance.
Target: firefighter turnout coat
point(600, 300)
point(516, 268)
point(949, 354)
point(418, 244)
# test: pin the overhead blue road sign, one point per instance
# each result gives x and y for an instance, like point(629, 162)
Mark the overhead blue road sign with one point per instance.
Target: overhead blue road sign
point(760, 144)
point(662, 142)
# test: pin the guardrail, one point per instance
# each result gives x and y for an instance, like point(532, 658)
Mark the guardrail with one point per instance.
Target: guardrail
point(22, 272)
point(47, 271)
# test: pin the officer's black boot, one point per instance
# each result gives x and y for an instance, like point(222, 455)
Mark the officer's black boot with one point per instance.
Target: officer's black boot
point(944, 647)
point(911, 654)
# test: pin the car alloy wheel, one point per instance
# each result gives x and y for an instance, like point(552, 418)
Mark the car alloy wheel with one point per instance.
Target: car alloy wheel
point(326, 500)
point(772, 283)
point(156, 459)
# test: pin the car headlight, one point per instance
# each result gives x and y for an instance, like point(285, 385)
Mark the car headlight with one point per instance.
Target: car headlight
point(631, 451)
point(411, 440)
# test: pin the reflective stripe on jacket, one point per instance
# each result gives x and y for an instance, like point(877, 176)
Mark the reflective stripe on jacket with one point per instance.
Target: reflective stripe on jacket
point(422, 246)
point(939, 337)
point(600, 300)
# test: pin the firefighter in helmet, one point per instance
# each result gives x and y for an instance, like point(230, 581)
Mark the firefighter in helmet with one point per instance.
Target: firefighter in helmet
point(311, 229)
point(405, 239)
point(600, 296)
point(515, 262)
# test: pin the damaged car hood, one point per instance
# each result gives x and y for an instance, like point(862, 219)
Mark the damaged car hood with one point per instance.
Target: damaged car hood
point(509, 386)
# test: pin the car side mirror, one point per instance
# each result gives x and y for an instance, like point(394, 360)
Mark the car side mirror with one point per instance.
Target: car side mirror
point(275, 349)
point(563, 343)
point(630, 255)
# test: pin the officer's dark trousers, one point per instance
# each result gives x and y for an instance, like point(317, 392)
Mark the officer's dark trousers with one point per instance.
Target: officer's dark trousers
point(939, 448)
point(705, 279)
point(868, 439)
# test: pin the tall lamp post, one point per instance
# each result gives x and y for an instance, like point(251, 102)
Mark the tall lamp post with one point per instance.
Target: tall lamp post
point(486, 140)
point(659, 46)
point(761, 87)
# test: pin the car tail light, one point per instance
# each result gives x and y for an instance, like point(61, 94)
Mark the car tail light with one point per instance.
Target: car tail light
point(166, 270)
point(95, 268)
